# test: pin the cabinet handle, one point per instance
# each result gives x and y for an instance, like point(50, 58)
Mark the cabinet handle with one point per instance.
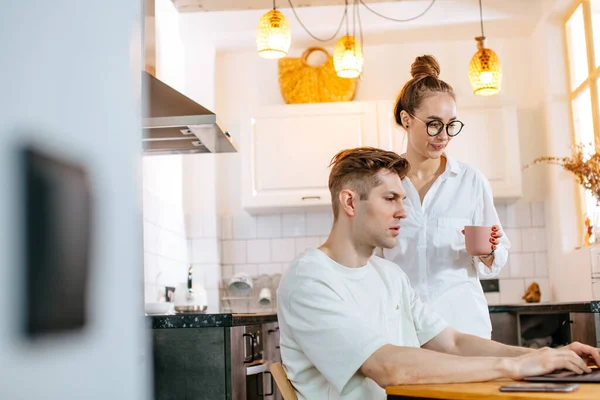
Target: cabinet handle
point(258, 386)
point(311, 198)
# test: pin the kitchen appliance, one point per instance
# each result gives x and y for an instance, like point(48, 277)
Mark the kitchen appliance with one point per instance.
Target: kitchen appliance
point(190, 297)
point(253, 349)
point(172, 122)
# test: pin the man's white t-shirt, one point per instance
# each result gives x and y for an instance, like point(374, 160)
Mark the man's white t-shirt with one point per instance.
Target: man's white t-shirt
point(333, 318)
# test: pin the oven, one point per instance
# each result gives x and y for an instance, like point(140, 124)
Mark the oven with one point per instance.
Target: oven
point(253, 349)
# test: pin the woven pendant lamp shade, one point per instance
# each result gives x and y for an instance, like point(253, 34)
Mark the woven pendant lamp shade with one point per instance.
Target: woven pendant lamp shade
point(348, 57)
point(485, 70)
point(273, 36)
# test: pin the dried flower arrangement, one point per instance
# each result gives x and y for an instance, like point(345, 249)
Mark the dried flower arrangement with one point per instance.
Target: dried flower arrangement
point(582, 164)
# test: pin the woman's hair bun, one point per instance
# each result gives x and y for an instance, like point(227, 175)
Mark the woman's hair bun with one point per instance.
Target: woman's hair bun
point(425, 66)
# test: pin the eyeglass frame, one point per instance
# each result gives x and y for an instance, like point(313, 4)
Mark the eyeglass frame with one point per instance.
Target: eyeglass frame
point(442, 128)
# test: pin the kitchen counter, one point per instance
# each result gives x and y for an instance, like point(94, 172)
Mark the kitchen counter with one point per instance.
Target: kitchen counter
point(580, 307)
point(228, 320)
point(207, 320)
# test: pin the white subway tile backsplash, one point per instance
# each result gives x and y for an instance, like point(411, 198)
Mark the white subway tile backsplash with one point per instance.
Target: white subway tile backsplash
point(541, 265)
point(518, 215)
point(150, 268)
point(544, 285)
point(259, 251)
point(212, 275)
point(505, 271)
point(171, 272)
point(515, 238)
point(226, 271)
point(283, 250)
point(269, 226)
point(501, 211)
point(306, 242)
point(493, 298)
point(150, 210)
point(318, 223)
point(293, 225)
point(534, 239)
point(151, 293)
point(173, 246)
point(250, 269)
point(226, 227)
point(210, 226)
point(538, 218)
point(151, 237)
point(512, 291)
point(522, 265)
point(205, 251)
point(212, 299)
point(269, 269)
point(193, 226)
point(233, 252)
point(244, 227)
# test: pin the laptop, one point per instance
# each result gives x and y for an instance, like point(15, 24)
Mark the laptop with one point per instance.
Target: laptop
point(568, 376)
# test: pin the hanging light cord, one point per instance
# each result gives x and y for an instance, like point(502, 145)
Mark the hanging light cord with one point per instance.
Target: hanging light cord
point(344, 16)
point(481, 18)
point(399, 20)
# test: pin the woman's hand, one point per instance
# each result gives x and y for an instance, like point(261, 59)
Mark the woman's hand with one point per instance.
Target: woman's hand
point(495, 236)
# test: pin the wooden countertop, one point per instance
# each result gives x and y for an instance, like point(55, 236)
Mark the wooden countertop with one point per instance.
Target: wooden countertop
point(485, 390)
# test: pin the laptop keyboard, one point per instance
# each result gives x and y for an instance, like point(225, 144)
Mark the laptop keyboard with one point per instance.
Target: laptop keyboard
point(593, 376)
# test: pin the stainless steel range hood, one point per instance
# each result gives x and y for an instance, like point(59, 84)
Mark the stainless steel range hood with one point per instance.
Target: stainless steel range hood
point(175, 124)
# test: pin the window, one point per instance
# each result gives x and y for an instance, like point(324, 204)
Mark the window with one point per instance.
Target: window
point(582, 30)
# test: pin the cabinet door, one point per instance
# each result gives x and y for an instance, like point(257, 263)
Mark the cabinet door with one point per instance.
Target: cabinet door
point(489, 142)
point(272, 353)
point(286, 151)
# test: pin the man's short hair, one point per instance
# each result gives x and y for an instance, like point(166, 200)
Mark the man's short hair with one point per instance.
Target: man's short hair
point(357, 169)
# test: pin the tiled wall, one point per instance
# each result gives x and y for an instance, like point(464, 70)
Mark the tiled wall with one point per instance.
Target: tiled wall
point(267, 244)
point(165, 247)
point(205, 254)
point(524, 224)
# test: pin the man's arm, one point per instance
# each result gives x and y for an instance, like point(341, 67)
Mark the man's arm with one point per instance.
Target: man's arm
point(451, 341)
point(394, 365)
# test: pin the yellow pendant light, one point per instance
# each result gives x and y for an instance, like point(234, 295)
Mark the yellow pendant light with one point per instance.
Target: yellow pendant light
point(348, 57)
point(273, 36)
point(485, 69)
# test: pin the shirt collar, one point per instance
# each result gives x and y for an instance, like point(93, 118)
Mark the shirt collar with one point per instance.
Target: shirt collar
point(452, 166)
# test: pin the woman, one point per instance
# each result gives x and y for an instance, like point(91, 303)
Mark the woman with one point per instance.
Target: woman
point(443, 196)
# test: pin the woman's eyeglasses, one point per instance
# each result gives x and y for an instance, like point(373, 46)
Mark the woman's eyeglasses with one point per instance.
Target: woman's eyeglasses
point(435, 127)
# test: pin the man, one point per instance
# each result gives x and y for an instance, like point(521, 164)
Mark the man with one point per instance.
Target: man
point(350, 322)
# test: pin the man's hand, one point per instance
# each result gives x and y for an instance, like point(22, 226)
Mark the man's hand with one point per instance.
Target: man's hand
point(546, 360)
point(588, 353)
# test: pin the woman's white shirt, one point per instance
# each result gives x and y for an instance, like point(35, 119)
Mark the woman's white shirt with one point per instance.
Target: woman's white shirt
point(431, 248)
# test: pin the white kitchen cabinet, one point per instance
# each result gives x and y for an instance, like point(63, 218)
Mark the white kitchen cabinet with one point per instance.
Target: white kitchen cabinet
point(286, 149)
point(489, 142)
point(286, 152)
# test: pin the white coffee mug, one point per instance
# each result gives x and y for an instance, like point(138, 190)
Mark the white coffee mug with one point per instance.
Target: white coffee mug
point(264, 297)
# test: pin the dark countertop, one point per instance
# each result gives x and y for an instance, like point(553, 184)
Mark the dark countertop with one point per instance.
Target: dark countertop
point(208, 320)
point(228, 320)
point(582, 307)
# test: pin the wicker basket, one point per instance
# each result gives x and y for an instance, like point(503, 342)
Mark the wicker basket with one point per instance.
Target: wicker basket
point(303, 83)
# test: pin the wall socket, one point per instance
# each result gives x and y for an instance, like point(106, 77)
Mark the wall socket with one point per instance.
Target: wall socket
point(490, 285)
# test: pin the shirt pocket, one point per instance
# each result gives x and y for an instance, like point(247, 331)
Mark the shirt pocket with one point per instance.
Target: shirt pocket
point(449, 238)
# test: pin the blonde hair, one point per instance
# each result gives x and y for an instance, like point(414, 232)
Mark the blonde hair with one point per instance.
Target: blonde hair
point(357, 169)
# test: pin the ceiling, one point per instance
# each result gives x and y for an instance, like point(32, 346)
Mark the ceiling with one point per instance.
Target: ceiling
point(232, 28)
point(239, 5)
